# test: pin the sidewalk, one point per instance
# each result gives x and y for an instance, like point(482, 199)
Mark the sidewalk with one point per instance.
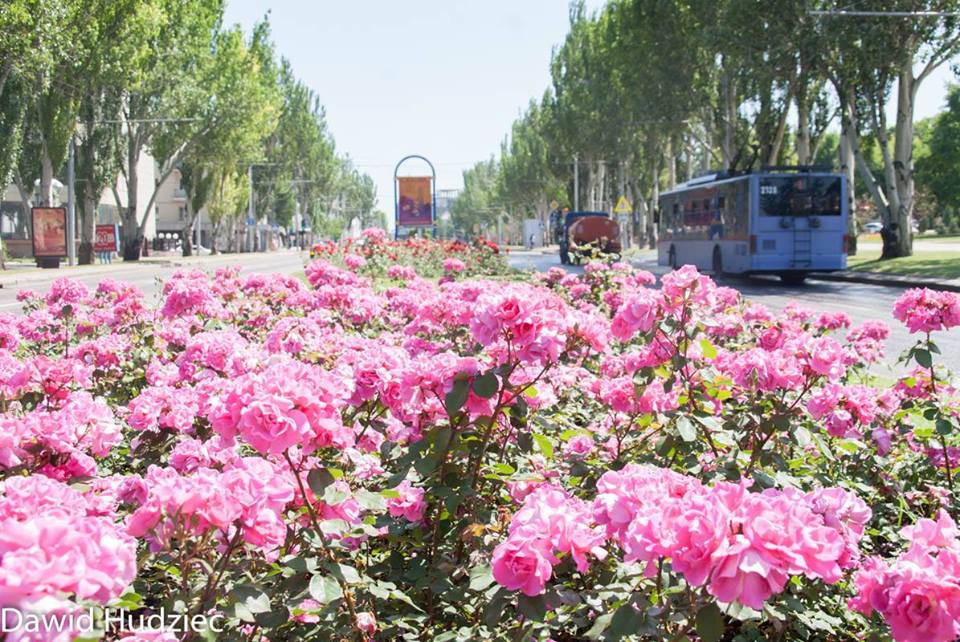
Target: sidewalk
point(25, 274)
point(894, 280)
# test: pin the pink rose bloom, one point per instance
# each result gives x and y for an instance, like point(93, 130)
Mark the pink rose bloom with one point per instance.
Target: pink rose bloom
point(454, 265)
point(410, 504)
point(578, 446)
point(924, 310)
point(522, 564)
point(366, 622)
point(354, 261)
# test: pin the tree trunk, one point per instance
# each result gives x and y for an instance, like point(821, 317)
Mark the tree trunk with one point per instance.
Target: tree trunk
point(46, 179)
point(803, 129)
point(848, 168)
point(729, 99)
point(88, 222)
point(903, 160)
point(132, 236)
point(670, 152)
point(187, 231)
point(654, 158)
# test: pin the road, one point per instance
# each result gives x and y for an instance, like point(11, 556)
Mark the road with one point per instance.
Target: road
point(861, 301)
point(145, 275)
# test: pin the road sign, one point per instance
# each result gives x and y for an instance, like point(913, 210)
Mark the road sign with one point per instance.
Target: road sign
point(623, 206)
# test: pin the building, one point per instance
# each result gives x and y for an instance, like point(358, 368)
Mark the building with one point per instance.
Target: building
point(15, 213)
point(172, 211)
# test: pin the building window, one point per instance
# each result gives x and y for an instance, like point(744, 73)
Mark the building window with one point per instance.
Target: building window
point(183, 213)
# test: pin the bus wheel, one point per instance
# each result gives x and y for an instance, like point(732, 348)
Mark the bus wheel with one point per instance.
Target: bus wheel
point(717, 261)
point(793, 278)
point(673, 257)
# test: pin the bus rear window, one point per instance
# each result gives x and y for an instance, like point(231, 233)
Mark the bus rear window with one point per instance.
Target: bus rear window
point(800, 196)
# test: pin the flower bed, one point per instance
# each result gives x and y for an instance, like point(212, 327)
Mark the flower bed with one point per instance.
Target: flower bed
point(577, 457)
point(373, 254)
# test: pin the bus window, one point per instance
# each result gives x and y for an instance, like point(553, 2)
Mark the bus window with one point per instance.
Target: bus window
point(800, 196)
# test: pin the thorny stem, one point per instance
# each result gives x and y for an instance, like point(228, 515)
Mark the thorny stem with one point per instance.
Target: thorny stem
point(347, 595)
point(943, 438)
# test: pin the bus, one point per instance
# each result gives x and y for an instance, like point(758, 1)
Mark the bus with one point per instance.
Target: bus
point(782, 221)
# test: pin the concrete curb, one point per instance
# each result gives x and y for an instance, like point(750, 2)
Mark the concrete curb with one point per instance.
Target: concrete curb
point(890, 280)
point(33, 275)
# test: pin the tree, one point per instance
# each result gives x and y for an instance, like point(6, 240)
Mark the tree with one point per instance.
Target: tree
point(477, 206)
point(868, 59)
point(938, 169)
point(244, 103)
point(166, 97)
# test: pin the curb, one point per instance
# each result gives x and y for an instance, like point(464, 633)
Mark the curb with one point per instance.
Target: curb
point(36, 275)
point(890, 280)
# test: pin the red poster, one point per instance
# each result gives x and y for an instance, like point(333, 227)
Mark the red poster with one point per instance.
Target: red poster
point(416, 202)
point(49, 231)
point(106, 239)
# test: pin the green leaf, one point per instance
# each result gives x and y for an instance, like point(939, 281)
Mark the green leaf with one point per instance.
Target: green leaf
point(525, 441)
point(344, 572)
point(923, 358)
point(325, 589)
point(944, 426)
point(686, 429)
point(370, 501)
point(481, 577)
point(544, 445)
point(486, 385)
point(709, 623)
point(318, 479)
point(599, 626)
point(533, 608)
point(273, 618)
point(709, 350)
point(454, 400)
point(249, 601)
point(626, 620)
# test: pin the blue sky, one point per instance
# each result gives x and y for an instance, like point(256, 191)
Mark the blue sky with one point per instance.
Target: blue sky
point(441, 78)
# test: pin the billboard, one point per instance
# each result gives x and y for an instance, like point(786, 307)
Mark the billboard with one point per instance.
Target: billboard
point(49, 231)
point(107, 238)
point(415, 205)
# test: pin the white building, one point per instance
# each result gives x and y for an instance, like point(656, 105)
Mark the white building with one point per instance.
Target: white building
point(15, 214)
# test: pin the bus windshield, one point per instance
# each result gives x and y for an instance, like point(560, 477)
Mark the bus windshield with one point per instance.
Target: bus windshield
point(800, 196)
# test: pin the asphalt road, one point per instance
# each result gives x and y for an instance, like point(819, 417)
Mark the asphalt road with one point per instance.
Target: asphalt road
point(146, 276)
point(861, 301)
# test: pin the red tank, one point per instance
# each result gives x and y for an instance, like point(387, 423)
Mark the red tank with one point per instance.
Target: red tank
point(595, 231)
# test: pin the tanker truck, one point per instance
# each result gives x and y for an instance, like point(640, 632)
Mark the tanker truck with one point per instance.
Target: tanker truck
point(582, 234)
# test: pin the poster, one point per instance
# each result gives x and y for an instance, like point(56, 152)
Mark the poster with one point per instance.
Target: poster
point(49, 231)
point(107, 238)
point(415, 206)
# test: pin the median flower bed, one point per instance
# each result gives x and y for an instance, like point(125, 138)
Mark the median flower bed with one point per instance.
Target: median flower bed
point(375, 255)
point(564, 458)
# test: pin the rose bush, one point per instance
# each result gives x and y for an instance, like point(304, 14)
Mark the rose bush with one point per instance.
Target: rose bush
point(571, 457)
point(374, 254)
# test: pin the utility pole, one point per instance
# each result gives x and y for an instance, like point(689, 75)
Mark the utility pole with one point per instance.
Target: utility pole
point(576, 184)
point(71, 202)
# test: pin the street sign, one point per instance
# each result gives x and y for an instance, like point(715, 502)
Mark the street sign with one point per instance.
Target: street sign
point(106, 238)
point(623, 206)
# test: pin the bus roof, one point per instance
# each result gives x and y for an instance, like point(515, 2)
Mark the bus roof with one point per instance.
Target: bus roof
point(722, 177)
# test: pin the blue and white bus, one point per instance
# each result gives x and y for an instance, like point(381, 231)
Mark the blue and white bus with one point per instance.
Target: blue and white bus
point(776, 221)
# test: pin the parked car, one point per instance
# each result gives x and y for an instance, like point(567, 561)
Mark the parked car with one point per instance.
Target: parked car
point(873, 227)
